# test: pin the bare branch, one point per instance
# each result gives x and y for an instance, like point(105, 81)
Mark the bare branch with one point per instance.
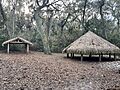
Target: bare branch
point(55, 8)
point(64, 21)
point(38, 3)
point(46, 3)
point(64, 3)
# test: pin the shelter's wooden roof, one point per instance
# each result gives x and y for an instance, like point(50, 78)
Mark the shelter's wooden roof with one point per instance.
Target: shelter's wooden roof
point(91, 43)
point(17, 40)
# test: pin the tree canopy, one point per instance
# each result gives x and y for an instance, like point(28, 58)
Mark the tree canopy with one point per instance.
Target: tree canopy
point(53, 24)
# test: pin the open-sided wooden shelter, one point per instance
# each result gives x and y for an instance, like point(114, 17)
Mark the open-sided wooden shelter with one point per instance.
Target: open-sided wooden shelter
point(17, 40)
point(91, 44)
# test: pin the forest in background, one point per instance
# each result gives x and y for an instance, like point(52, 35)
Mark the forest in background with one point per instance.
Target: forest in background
point(51, 25)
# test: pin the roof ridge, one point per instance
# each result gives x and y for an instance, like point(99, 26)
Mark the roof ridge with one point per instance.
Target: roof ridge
point(10, 40)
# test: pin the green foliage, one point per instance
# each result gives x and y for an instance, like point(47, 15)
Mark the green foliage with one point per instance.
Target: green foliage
point(17, 47)
point(115, 38)
point(2, 39)
point(66, 24)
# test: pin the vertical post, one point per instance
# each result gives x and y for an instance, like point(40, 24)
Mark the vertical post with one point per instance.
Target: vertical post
point(71, 55)
point(27, 48)
point(114, 56)
point(90, 55)
point(81, 57)
point(67, 55)
point(8, 48)
point(109, 55)
point(99, 57)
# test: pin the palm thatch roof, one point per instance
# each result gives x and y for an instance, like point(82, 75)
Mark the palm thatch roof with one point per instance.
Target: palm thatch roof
point(17, 40)
point(90, 43)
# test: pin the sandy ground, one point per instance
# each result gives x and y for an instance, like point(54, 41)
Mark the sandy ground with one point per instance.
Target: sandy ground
point(37, 71)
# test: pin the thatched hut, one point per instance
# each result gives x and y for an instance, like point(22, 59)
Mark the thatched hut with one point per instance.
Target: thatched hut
point(91, 44)
point(17, 40)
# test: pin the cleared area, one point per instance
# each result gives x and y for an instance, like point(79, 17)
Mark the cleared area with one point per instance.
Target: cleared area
point(37, 71)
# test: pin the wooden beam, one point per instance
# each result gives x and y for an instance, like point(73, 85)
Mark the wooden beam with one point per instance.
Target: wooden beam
point(8, 48)
point(27, 48)
point(17, 43)
point(81, 57)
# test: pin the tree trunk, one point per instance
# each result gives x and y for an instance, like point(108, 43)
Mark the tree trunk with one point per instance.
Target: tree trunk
point(41, 30)
point(2, 12)
point(48, 24)
point(118, 24)
point(83, 15)
point(13, 22)
point(102, 2)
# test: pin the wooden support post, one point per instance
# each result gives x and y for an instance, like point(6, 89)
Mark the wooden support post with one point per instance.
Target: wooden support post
point(27, 48)
point(81, 57)
point(90, 55)
point(67, 55)
point(8, 48)
point(114, 56)
point(73, 55)
point(99, 57)
point(109, 55)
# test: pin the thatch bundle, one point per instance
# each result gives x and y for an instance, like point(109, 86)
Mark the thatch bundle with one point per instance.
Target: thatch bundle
point(90, 43)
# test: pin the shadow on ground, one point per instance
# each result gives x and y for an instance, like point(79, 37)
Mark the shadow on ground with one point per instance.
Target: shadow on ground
point(92, 59)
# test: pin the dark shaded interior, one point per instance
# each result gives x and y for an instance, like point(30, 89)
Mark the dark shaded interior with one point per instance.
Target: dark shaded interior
point(94, 58)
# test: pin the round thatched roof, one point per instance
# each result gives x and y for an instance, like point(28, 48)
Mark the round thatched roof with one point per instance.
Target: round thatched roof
point(91, 43)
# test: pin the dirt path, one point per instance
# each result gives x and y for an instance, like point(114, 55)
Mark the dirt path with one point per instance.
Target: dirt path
point(37, 71)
